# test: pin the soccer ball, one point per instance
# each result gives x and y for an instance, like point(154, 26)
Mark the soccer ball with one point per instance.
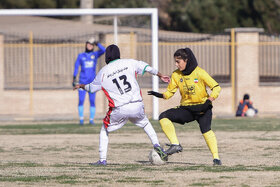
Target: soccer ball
point(155, 159)
point(250, 112)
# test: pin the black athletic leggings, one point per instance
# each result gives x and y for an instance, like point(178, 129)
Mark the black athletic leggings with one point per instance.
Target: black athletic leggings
point(181, 115)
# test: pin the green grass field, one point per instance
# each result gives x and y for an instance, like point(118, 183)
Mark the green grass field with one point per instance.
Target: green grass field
point(58, 154)
point(236, 124)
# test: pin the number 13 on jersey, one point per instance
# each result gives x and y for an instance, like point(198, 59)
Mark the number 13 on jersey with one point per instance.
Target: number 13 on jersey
point(123, 80)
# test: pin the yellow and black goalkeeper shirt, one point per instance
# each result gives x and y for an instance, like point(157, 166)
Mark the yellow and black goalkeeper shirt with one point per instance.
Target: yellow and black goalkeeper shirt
point(192, 87)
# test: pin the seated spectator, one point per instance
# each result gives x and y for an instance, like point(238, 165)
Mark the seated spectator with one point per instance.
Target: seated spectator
point(244, 105)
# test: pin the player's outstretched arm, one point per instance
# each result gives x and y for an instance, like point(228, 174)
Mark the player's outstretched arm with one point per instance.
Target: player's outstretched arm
point(152, 71)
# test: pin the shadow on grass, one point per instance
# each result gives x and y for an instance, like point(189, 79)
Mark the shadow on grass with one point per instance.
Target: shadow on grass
point(173, 163)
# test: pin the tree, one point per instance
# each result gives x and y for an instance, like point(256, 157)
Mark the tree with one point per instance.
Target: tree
point(216, 15)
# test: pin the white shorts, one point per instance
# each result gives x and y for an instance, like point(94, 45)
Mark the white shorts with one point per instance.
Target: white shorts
point(118, 117)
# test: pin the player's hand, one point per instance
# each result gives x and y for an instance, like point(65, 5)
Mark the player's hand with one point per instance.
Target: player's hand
point(211, 99)
point(159, 95)
point(75, 87)
point(95, 43)
point(78, 86)
point(165, 78)
point(207, 105)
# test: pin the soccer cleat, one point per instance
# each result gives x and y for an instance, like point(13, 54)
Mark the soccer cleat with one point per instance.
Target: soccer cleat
point(91, 122)
point(174, 149)
point(99, 163)
point(81, 122)
point(217, 162)
point(163, 155)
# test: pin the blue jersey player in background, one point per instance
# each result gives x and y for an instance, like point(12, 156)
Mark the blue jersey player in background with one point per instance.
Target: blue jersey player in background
point(87, 60)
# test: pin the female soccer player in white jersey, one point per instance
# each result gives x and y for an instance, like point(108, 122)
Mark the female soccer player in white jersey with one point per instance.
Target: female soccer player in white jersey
point(118, 81)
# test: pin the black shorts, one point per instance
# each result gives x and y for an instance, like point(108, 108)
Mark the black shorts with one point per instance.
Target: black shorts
point(182, 115)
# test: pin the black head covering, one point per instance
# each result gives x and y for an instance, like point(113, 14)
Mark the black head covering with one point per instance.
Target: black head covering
point(112, 53)
point(246, 96)
point(191, 63)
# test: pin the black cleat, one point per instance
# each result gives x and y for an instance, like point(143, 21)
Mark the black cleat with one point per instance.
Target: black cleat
point(217, 162)
point(174, 149)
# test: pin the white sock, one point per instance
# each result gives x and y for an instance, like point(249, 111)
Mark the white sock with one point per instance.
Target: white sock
point(151, 133)
point(103, 143)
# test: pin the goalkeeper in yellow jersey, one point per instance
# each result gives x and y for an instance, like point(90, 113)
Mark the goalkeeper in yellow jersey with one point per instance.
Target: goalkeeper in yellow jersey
point(196, 103)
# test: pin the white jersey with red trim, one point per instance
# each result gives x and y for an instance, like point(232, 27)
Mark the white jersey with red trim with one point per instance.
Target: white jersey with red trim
point(118, 81)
